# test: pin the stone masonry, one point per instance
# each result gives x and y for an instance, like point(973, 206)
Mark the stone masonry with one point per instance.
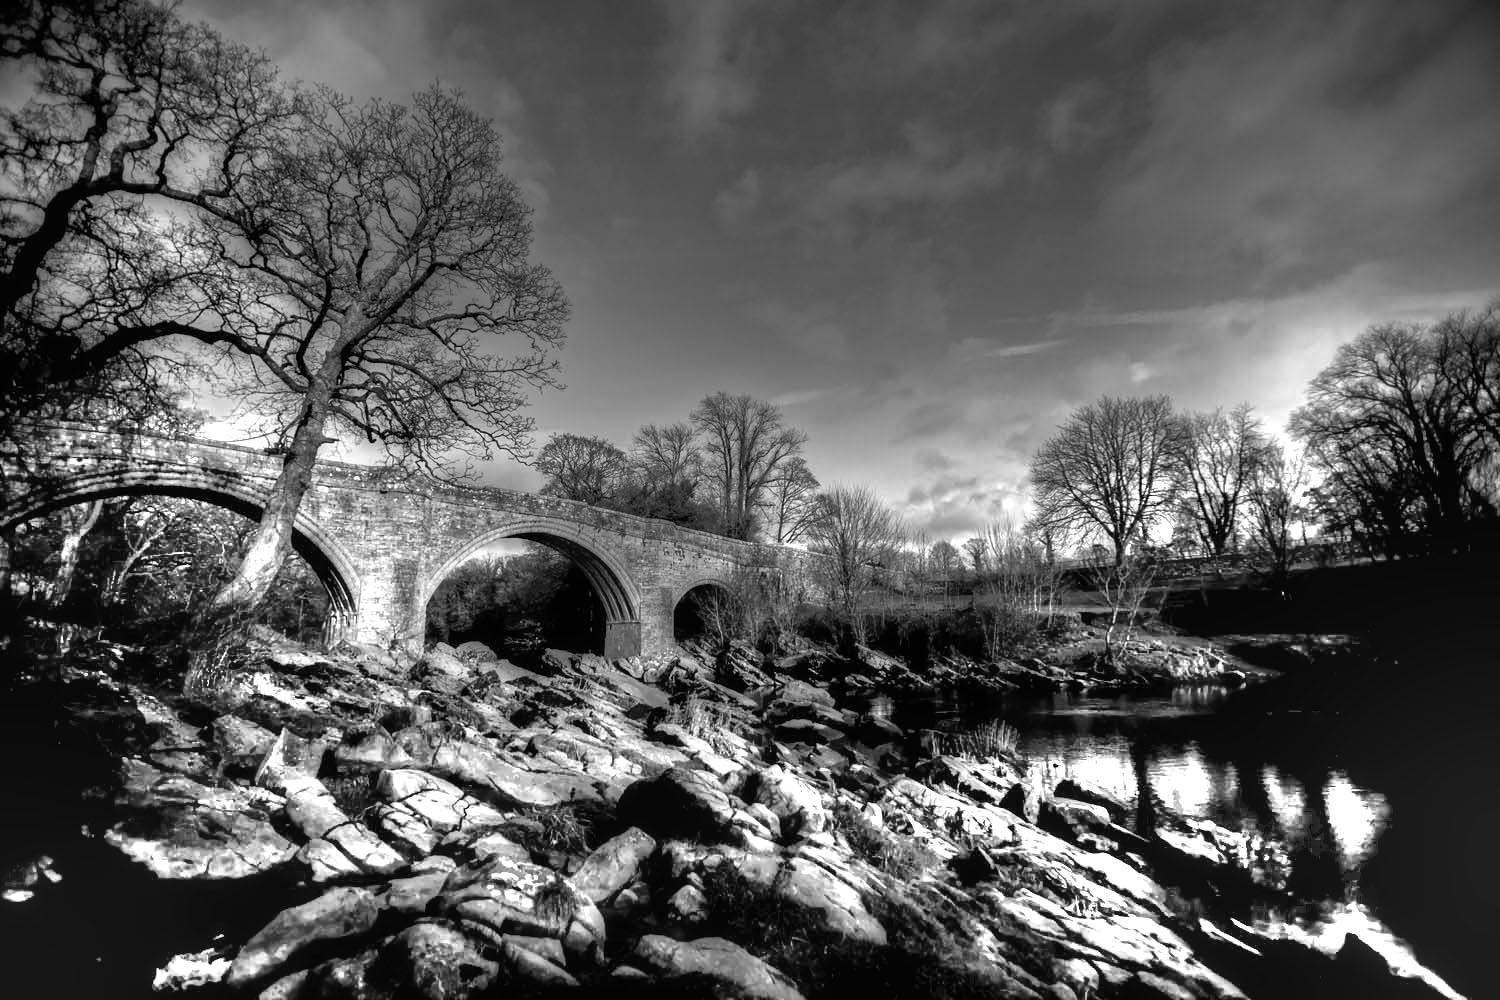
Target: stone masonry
point(382, 540)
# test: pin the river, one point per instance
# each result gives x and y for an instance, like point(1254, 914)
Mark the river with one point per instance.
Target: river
point(1372, 797)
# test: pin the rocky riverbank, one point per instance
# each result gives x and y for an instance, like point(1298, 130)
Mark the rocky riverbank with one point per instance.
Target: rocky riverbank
point(461, 826)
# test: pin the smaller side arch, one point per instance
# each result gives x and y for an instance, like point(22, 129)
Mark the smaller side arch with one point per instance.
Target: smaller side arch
point(323, 554)
point(702, 581)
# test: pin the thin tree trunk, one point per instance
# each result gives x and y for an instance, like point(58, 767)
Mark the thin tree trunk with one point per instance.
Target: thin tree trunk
point(74, 533)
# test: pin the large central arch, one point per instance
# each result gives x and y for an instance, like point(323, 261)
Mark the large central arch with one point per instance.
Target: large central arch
point(333, 567)
point(605, 571)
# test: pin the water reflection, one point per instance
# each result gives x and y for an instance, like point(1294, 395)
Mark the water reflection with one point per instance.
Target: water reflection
point(1353, 824)
point(1177, 752)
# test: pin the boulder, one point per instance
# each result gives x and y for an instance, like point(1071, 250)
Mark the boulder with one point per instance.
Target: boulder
point(1082, 791)
point(241, 738)
point(614, 864)
point(1071, 819)
point(679, 804)
point(474, 651)
point(797, 806)
point(337, 914)
point(371, 750)
point(795, 692)
point(817, 881)
point(716, 959)
point(436, 961)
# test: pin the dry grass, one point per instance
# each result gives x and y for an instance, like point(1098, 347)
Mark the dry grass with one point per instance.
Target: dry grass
point(708, 721)
point(987, 741)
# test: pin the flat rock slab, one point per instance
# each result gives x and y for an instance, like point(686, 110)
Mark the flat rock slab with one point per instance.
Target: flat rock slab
point(716, 959)
point(337, 914)
point(183, 829)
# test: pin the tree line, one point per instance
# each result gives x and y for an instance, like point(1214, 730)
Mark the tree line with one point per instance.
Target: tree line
point(734, 467)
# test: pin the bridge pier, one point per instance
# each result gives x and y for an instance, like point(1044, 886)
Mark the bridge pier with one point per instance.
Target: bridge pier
point(622, 640)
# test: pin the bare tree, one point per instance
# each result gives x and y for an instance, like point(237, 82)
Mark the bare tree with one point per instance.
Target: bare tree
point(745, 444)
point(135, 118)
point(587, 469)
point(1124, 584)
point(366, 272)
point(945, 562)
point(791, 502)
point(978, 550)
point(1218, 453)
point(856, 530)
point(1109, 469)
point(1399, 429)
point(665, 456)
point(1275, 505)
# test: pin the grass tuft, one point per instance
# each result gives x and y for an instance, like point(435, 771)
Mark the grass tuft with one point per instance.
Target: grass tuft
point(987, 741)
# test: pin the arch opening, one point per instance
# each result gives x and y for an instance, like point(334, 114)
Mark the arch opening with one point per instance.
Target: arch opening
point(133, 559)
point(529, 587)
point(705, 612)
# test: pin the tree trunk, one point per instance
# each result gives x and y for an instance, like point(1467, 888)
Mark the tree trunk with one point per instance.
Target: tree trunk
point(210, 665)
point(76, 529)
point(272, 540)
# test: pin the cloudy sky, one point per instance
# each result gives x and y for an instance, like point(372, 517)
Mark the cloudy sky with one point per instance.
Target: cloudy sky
point(929, 230)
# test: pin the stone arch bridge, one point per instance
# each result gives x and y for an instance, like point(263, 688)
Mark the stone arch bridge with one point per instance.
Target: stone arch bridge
point(382, 539)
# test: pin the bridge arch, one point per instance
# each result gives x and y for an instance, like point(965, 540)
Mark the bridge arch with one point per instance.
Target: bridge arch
point(611, 581)
point(326, 557)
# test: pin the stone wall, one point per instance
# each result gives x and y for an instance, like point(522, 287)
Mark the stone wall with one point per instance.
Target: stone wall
point(382, 540)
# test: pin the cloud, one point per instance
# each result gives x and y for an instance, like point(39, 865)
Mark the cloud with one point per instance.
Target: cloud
point(890, 43)
point(1263, 349)
point(811, 330)
point(1310, 137)
point(1021, 350)
point(710, 66)
point(801, 396)
point(1078, 117)
point(929, 171)
point(959, 506)
point(734, 204)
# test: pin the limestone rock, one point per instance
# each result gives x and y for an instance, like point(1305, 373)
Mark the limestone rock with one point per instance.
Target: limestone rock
point(471, 764)
point(1082, 791)
point(474, 651)
point(438, 803)
point(614, 864)
point(798, 807)
point(437, 961)
point(338, 913)
point(801, 692)
point(313, 810)
point(371, 750)
point(679, 803)
point(241, 738)
point(716, 959)
point(182, 829)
